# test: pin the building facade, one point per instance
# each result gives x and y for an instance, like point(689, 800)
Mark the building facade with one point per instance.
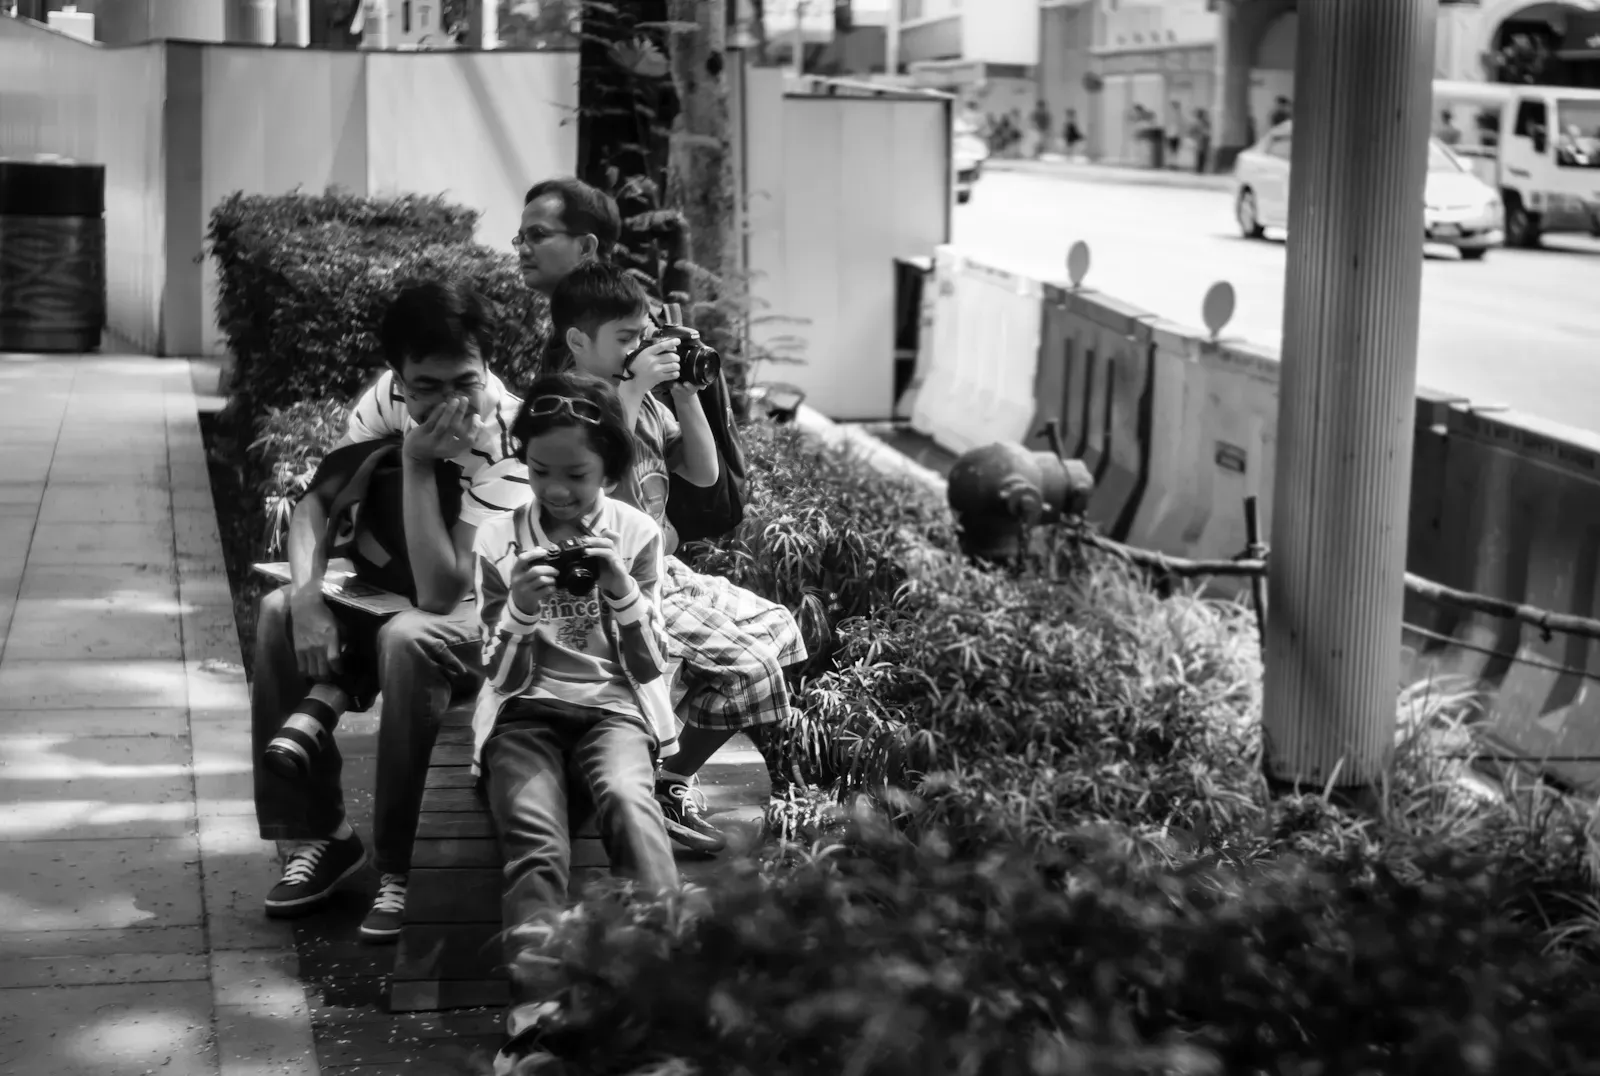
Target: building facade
point(1067, 73)
point(1157, 66)
point(986, 52)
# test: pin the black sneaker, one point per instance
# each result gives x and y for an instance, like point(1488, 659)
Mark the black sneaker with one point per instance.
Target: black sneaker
point(314, 869)
point(388, 912)
point(684, 810)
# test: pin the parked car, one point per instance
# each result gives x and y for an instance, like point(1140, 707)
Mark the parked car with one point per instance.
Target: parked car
point(1459, 208)
point(968, 151)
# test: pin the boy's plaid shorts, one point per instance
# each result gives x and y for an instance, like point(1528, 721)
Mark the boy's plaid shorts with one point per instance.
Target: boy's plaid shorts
point(733, 645)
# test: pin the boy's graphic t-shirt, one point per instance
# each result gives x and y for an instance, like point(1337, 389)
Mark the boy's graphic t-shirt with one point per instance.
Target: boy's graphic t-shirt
point(646, 488)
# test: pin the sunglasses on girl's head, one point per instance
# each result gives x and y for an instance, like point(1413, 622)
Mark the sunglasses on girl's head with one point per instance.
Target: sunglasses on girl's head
point(553, 406)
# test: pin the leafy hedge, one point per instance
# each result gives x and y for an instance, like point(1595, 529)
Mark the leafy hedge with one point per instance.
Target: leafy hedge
point(301, 310)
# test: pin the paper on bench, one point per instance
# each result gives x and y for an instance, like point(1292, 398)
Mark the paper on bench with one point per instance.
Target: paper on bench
point(339, 584)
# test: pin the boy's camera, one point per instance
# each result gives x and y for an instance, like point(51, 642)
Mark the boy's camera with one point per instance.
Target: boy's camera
point(698, 362)
point(577, 570)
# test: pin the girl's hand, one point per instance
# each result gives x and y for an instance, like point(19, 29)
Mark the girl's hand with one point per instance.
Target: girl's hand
point(657, 363)
point(614, 577)
point(532, 580)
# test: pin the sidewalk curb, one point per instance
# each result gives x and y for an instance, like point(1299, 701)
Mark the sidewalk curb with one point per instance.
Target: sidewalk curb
point(260, 1013)
point(1105, 173)
point(879, 455)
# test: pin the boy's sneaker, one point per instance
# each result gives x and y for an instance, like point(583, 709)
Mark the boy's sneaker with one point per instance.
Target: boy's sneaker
point(312, 872)
point(683, 807)
point(388, 911)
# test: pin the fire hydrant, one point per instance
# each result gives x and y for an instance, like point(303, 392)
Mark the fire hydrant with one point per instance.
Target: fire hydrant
point(999, 491)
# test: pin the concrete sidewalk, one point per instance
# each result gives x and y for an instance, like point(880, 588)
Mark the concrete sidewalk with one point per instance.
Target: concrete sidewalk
point(131, 933)
point(1088, 172)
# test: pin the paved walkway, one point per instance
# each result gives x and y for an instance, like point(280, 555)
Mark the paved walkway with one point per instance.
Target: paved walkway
point(131, 935)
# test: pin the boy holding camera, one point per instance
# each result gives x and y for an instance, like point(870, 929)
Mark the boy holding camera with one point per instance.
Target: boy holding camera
point(733, 645)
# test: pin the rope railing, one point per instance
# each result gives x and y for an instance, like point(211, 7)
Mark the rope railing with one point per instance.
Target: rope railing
point(1547, 622)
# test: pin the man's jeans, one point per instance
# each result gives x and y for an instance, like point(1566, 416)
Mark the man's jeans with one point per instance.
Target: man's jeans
point(423, 659)
point(528, 765)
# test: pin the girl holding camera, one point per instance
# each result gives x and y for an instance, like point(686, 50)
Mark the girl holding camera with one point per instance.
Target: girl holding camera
point(569, 594)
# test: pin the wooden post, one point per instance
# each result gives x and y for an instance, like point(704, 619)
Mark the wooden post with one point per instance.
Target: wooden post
point(1347, 389)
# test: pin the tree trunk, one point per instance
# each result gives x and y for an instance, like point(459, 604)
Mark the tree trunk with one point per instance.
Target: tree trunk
point(700, 178)
point(620, 118)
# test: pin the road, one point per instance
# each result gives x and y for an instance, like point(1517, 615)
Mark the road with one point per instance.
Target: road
point(1520, 329)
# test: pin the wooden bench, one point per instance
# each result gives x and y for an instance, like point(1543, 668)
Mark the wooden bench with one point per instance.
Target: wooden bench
point(449, 954)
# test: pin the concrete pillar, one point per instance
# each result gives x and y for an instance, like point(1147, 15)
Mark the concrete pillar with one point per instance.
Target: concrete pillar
point(483, 24)
point(1348, 381)
point(252, 22)
point(891, 40)
point(294, 23)
point(1231, 111)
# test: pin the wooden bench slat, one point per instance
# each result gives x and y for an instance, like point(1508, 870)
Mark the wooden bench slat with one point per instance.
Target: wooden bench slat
point(452, 754)
point(448, 994)
point(470, 894)
point(455, 852)
point(435, 826)
point(453, 895)
point(451, 800)
point(446, 852)
point(450, 777)
point(440, 951)
point(455, 734)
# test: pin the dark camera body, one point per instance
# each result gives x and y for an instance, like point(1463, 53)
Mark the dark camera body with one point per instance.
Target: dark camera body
point(698, 362)
point(577, 570)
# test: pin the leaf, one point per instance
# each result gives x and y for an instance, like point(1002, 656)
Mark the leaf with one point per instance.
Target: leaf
point(640, 57)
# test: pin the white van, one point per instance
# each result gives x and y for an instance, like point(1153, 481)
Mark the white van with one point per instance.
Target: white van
point(1539, 145)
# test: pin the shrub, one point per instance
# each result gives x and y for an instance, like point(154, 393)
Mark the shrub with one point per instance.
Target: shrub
point(824, 533)
point(894, 958)
point(301, 313)
point(428, 218)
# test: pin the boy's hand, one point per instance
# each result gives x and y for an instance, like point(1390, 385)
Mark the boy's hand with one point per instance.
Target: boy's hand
point(532, 580)
point(448, 432)
point(614, 577)
point(685, 391)
point(657, 363)
point(317, 639)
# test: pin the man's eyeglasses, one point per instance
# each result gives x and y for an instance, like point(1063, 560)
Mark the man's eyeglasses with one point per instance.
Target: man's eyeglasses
point(435, 392)
point(555, 406)
point(533, 237)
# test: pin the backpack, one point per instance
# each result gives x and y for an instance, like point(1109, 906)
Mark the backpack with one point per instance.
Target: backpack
point(364, 486)
point(702, 512)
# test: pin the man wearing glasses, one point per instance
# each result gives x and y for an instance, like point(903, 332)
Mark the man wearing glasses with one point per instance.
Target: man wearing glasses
point(565, 222)
point(439, 400)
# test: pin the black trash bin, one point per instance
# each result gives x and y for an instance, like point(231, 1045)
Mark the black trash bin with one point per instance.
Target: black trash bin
point(52, 254)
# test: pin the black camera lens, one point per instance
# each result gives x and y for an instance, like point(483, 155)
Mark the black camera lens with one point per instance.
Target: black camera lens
point(578, 581)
